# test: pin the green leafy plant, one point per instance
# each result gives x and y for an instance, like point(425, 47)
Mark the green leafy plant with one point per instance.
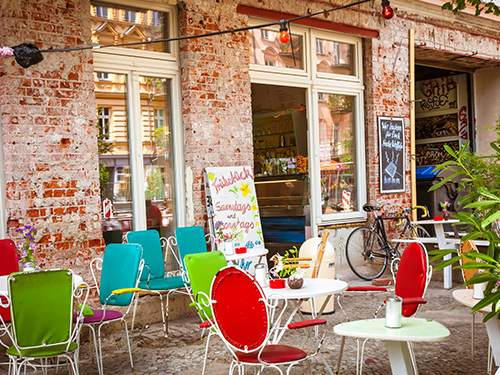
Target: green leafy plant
point(287, 265)
point(479, 177)
point(457, 5)
point(26, 247)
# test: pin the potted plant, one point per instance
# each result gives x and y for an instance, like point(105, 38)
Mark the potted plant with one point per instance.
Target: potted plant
point(287, 266)
point(479, 177)
point(444, 207)
point(26, 247)
point(228, 238)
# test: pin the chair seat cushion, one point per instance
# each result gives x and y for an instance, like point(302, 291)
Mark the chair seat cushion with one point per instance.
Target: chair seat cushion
point(273, 354)
point(164, 283)
point(110, 315)
point(366, 289)
point(43, 351)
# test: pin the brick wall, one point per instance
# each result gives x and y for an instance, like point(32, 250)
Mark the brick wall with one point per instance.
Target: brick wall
point(216, 94)
point(48, 127)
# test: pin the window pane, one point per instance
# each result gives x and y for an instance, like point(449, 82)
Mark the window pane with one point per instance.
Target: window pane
point(157, 152)
point(268, 50)
point(337, 153)
point(114, 152)
point(335, 57)
point(129, 26)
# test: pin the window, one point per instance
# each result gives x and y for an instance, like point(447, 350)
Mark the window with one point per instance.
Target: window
point(136, 112)
point(130, 16)
point(334, 121)
point(103, 120)
point(266, 43)
point(103, 76)
point(269, 63)
point(101, 12)
point(319, 46)
point(148, 24)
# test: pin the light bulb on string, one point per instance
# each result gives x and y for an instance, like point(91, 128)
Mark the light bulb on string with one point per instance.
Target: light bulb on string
point(387, 11)
point(284, 35)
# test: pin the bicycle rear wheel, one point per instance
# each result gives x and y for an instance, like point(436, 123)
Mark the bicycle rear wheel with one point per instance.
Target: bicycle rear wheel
point(416, 231)
point(366, 253)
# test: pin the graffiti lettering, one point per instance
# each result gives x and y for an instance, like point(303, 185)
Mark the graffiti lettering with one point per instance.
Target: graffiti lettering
point(434, 102)
point(437, 86)
point(462, 117)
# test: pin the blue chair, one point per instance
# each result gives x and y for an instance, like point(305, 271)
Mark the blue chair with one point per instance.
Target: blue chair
point(120, 270)
point(154, 279)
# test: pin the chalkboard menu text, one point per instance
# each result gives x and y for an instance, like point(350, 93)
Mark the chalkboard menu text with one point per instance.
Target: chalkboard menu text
point(391, 154)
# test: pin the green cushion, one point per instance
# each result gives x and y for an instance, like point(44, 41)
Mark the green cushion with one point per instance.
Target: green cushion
point(165, 283)
point(201, 269)
point(43, 351)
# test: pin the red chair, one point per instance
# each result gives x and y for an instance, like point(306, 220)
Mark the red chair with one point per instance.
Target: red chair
point(413, 276)
point(8, 264)
point(241, 314)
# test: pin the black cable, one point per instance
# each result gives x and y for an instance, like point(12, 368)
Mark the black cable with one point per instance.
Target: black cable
point(208, 34)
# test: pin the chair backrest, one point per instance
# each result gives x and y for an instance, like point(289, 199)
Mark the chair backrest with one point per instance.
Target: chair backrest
point(190, 240)
point(413, 275)
point(152, 252)
point(41, 305)
point(465, 248)
point(8, 264)
point(121, 265)
point(201, 269)
point(239, 309)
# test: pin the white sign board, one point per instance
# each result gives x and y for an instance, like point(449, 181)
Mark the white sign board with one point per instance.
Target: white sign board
point(232, 201)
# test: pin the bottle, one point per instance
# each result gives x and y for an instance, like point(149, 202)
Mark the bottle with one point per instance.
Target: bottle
point(282, 140)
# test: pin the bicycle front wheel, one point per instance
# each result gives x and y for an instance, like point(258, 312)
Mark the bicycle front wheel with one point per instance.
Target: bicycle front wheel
point(366, 253)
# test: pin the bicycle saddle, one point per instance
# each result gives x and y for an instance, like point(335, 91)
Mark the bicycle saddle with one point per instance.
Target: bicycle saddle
point(369, 208)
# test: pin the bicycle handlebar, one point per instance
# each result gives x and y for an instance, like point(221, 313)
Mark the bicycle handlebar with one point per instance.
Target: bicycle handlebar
point(409, 210)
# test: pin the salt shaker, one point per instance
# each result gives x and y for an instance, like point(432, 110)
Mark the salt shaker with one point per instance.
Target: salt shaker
point(261, 275)
point(393, 312)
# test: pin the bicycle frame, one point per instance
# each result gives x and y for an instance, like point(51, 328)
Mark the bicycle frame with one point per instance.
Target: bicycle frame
point(379, 227)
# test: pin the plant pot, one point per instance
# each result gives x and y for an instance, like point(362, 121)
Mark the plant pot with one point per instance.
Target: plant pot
point(28, 266)
point(277, 283)
point(446, 215)
point(295, 283)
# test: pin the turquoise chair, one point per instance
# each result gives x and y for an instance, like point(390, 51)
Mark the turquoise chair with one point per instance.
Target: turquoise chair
point(201, 269)
point(120, 270)
point(42, 318)
point(154, 279)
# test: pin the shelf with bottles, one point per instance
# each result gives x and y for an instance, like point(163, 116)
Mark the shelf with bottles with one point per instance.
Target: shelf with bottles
point(276, 141)
point(273, 126)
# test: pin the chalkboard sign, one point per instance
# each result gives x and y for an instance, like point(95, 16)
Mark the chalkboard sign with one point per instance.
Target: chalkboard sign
point(391, 154)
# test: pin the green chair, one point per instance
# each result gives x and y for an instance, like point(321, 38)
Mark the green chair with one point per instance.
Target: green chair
point(120, 270)
point(154, 278)
point(42, 318)
point(201, 269)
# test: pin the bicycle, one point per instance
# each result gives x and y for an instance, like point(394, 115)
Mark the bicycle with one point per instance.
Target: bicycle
point(367, 248)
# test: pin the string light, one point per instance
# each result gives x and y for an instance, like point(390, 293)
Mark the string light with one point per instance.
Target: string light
point(387, 11)
point(284, 36)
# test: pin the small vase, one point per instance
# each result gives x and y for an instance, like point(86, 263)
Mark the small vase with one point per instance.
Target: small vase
point(229, 247)
point(28, 266)
point(446, 215)
point(295, 283)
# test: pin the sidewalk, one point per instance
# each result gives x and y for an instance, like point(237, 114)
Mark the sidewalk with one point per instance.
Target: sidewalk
point(182, 352)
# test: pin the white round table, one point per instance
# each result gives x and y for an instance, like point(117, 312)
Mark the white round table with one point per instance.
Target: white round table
point(311, 288)
point(260, 252)
point(396, 339)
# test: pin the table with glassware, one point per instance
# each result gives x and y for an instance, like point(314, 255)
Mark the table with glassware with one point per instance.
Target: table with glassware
point(250, 253)
point(311, 288)
point(397, 340)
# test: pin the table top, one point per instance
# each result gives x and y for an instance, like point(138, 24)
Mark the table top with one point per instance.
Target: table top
point(432, 221)
point(311, 288)
point(249, 254)
point(78, 280)
point(464, 296)
point(412, 329)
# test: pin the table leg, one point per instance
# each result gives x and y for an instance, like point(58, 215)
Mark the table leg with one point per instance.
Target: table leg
point(400, 358)
point(493, 329)
point(447, 273)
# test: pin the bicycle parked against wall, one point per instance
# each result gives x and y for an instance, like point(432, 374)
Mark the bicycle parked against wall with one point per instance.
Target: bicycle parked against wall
point(368, 250)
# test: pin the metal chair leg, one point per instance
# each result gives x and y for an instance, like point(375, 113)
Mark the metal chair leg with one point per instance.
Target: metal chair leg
point(135, 308)
point(342, 342)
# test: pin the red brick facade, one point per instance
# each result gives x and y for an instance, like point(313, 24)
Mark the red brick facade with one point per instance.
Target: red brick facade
point(49, 134)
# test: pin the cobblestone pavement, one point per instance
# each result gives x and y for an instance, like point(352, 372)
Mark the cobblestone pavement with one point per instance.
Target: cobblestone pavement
point(182, 352)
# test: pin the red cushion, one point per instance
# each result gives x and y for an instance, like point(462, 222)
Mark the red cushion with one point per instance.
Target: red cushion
point(8, 254)
point(306, 323)
point(411, 277)
point(273, 354)
point(414, 300)
point(207, 323)
point(5, 312)
point(366, 289)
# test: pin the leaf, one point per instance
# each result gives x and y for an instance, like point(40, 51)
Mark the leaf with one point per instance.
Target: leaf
point(487, 193)
point(490, 219)
point(446, 263)
point(484, 257)
point(481, 204)
point(486, 301)
point(481, 278)
point(475, 265)
point(450, 151)
point(438, 254)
